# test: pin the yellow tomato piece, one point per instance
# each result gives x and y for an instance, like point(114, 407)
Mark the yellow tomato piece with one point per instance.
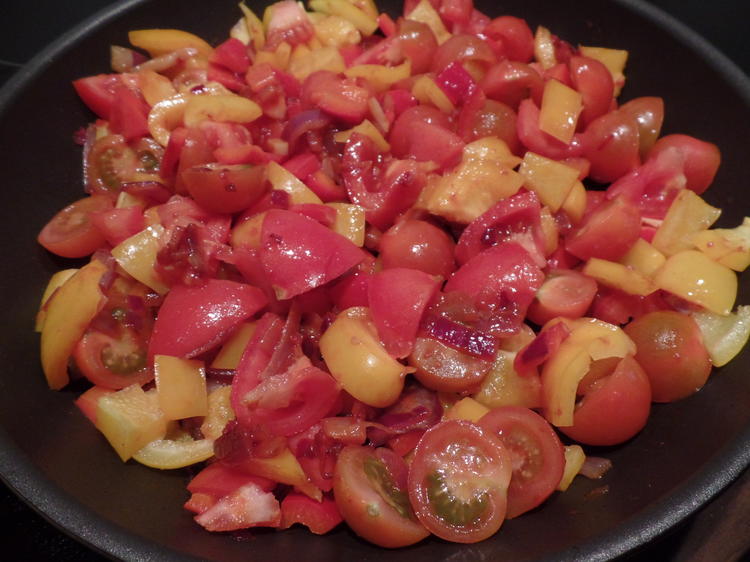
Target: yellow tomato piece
point(728, 246)
point(137, 256)
point(687, 215)
point(574, 459)
point(155, 87)
point(544, 48)
point(130, 419)
point(724, 336)
point(70, 310)
point(335, 31)
point(359, 362)
point(552, 181)
point(284, 180)
point(220, 412)
point(643, 258)
point(222, 108)
point(503, 386)
point(247, 233)
point(165, 116)
point(601, 339)
point(618, 276)
point(467, 409)
point(364, 128)
point(254, 27)
point(163, 41)
point(364, 22)
point(550, 231)
point(426, 90)
point(283, 468)
point(560, 378)
point(380, 77)
point(698, 279)
point(231, 352)
point(180, 387)
point(278, 58)
point(575, 203)
point(349, 222)
point(479, 181)
point(491, 148)
point(169, 454)
point(613, 59)
point(561, 107)
point(55, 282)
point(424, 12)
point(304, 61)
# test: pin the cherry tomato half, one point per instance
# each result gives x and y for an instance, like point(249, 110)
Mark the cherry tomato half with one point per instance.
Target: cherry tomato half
point(458, 481)
point(111, 362)
point(224, 189)
point(369, 486)
point(537, 454)
point(70, 233)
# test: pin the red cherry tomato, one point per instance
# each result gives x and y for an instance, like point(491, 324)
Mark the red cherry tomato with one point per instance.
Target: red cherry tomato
point(612, 146)
point(649, 114)
point(671, 351)
point(417, 244)
point(515, 34)
point(112, 362)
point(594, 82)
point(224, 189)
point(370, 488)
point(417, 42)
point(492, 119)
point(565, 292)
point(702, 159)
point(614, 408)
point(510, 82)
point(445, 369)
point(537, 455)
point(462, 48)
point(458, 481)
point(607, 233)
point(70, 233)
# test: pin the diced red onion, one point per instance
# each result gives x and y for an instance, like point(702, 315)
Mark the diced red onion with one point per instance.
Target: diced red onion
point(595, 467)
point(460, 337)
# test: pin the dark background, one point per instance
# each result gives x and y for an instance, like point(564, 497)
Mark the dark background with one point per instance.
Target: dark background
point(718, 532)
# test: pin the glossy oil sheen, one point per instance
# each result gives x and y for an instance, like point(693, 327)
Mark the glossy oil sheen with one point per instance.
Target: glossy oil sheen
point(54, 458)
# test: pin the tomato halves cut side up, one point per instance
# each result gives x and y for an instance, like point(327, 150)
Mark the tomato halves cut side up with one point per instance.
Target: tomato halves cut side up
point(370, 490)
point(538, 456)
point(458, 481)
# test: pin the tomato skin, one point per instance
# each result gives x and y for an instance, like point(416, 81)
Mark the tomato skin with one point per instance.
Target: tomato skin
point(98, 92)
point(117, 225)
point(71, 233)
point(511, 82)
point(423, 133)
point(594, 81)
point(492, 118)
point(417, 244)
point(339, 97)
point(319, 517)
point(702, 159)
point(224, 189)
point(445, 369)
point(363, 507)
point(460, 48)
point(612, 146)
point(671, 352)
point(537, 453)
point(649, 115)
point(607, 233)
point(614, 409)
point(193, 319)
point(128, 115)
point(417, 42)
point(515, 34)
point(453, 452)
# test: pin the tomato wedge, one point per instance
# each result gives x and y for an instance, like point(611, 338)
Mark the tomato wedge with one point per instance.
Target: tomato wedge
point(370, 490)
point(458, 481)
point(538, 456)
point(70, 233)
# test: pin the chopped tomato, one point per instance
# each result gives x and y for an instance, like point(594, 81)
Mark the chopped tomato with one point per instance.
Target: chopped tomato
point(417, 244)
point(370, 487)
point(112, 362)
point(319, 517)
point(538, 458)
point(71, 232)
point(458, 481)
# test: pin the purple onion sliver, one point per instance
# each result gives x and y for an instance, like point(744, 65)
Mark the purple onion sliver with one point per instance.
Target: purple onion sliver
point(461, 337)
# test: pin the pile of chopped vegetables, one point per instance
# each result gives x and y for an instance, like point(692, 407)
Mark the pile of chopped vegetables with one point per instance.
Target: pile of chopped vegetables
point(391, 272)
